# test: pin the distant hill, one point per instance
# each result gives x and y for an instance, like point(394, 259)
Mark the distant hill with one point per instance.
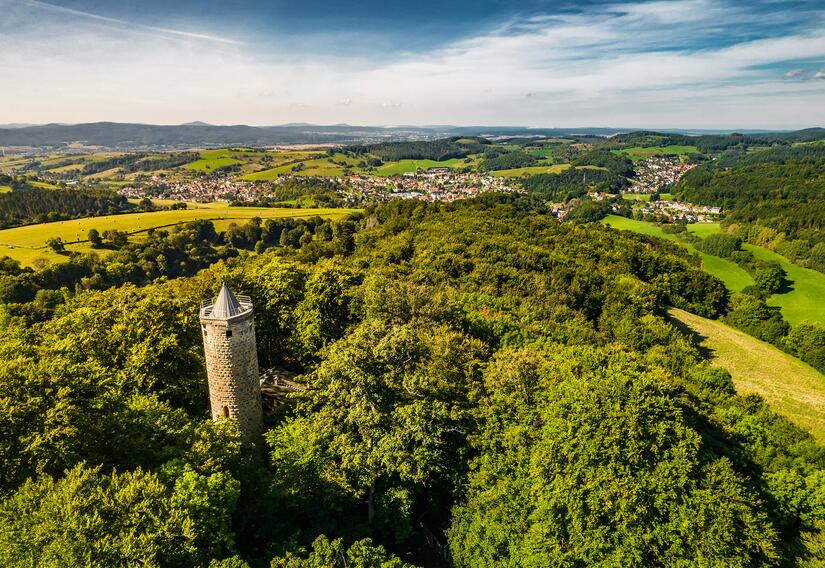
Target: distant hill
point(135, 136)
point(199, 134)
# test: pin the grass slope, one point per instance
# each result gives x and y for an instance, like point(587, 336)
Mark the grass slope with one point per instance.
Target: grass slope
point(790, 387)
point(806, 299)
point(404, 166)
point(208, 164)
point(734, 277)
point(27, 244)
point(531, 170)
point(639, 153)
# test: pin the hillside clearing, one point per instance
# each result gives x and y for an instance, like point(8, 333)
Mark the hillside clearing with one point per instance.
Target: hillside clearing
point(790, 387)
point(531, 170)
point(639, 153)
point(211, 164)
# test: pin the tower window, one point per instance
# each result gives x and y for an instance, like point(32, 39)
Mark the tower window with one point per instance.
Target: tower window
point(226, 412)
point(228, 333)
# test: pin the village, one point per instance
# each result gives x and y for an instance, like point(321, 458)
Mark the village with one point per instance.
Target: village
point(656, 175)
point(673, 211)
point(435, 184)
point(201, 190)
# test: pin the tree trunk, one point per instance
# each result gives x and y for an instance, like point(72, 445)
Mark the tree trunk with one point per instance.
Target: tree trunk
point(371, 504)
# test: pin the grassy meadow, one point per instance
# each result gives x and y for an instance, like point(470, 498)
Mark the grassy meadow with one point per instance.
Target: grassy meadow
point(405, 166)
point(204, 165)
point(804, 301)
point(790, 387)
point(645, 197)
point(27, 244)
point(806, 298)
point(733, 276)
point(531, 170)
point(639, 153)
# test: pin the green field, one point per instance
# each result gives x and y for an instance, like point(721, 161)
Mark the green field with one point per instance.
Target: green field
point(27, 244)
point(531, 170)
point(733, 276)
point(703, 230)
point(545, 152)
point(789, 386)
point(404, 166)
point(806, 300)
point(204, 165)
point(645, 197)
point(639, 153)
point(311, 167)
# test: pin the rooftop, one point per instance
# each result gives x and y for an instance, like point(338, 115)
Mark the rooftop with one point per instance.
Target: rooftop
point(226, 305)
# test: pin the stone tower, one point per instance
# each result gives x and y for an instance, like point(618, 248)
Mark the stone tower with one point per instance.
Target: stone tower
point(228, 329)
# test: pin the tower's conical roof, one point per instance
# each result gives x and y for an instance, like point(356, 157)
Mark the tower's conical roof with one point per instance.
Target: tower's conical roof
point(226, 305)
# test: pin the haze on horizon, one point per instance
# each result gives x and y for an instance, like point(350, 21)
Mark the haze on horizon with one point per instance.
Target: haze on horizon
point(661, 63)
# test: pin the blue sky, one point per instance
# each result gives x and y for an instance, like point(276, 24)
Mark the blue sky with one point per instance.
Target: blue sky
point(662, 63)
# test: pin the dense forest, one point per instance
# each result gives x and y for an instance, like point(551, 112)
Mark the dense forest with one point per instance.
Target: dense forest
point(503, 160)
point(776, 195)
point(573, 183)
point(442, 149)
point(139, 162)
point(28, 204)
point(487, 387)
point(714, 143)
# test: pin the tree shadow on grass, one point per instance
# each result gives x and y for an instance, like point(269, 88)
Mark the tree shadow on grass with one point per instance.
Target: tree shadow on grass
point(696, 338)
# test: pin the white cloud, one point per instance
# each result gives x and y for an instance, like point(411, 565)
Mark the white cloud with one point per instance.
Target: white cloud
point(629, 64)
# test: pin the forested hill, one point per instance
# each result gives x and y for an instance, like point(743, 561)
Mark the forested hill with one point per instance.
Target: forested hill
point(718, 142)
point(198, 134)
point(778, 192)
point(488, 387)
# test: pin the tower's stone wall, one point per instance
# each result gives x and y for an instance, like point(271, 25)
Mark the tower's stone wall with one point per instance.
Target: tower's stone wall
point(232, 370)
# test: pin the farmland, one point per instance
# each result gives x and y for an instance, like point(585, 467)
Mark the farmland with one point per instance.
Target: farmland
point(27, 243)
point(211, 164)
point(790, 387)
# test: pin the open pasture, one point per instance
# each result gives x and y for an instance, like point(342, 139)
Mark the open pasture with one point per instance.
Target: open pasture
point(806, 298)
point(804, 301)
point(789, 386)
point(530, 170)
point(208, 164)
point(405, 166)
point(733, 276)
point(639, 153)
point(28, 243)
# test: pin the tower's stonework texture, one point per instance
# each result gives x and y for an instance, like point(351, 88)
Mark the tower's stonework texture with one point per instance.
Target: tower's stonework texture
point(228, 329)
